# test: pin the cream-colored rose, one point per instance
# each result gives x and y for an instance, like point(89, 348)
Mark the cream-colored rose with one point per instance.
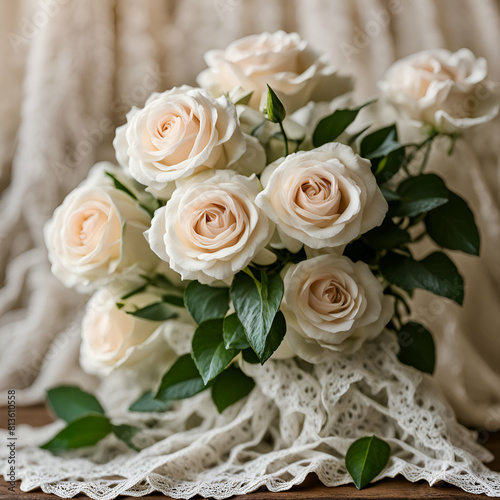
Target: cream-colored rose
point(450, 91)
point(179, 133)
point(281, 60)
point(322, 198)
point(97, 233)
point(211, 228)
point(113, 339)
point(332, 304)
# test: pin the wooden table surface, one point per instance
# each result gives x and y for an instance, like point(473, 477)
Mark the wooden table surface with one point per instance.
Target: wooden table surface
point(387, 489)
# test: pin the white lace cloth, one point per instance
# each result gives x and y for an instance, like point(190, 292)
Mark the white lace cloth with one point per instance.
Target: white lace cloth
point(298, 420)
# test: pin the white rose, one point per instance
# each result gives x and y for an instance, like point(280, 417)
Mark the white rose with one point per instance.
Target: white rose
point(97, 233)
point(211, 228)
point(179, 133)
point(113, 339)
point(450, 91)
point(292, 69)
point(322, 198)
point(332, 303)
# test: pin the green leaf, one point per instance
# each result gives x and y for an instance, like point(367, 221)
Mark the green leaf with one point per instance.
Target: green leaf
point(284, 256)
point(181, 381)
point(135, 291)
point(366, 458)
point(209, 353)
point(257, 305)
point(126, 434)
point(159, 311)
point(330, 127)
point(453, 226)
point(275, 110)
point(380, 143)
point(147, 403)
point(206, 302)
point(160, 281)
point(175, 300)
point(353, 138)
point(360, 250)
point(120, 186)
point(274, 337)
point(389, 195)
point(245, 99)
point(234, 333)
point(70, 403)
point(416, 347)
point(84, 431)
point(390, 165)
point(386, 236)
point(420, 194)
point(436, 273)
point(231, 386)
point(250, 357)
point(149, 205)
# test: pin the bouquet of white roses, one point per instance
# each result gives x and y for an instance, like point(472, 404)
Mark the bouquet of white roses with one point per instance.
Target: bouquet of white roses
point(258, 218)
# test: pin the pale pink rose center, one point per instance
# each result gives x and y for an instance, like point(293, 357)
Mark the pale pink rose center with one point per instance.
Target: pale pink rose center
point(215, 225)
point(91, 226)
point(318, 199)
point(213, 220)
point(177, 134)
point(329, 295)
point(95, 227)
point(87, 227)
point(427, 72)
point(108, 331)
point(333, 295)
point(168, 124)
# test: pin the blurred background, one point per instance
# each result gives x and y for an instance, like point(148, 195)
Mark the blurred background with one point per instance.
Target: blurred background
point(72, 69)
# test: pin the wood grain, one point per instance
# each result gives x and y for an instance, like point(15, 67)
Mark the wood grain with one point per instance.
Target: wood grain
point(387, 489)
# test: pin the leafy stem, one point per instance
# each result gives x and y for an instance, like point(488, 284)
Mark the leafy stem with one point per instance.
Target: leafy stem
point(426, 143)
point(285, 138)
point(428, 148)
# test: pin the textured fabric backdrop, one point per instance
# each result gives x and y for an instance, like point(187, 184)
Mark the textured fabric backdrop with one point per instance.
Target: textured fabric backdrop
point(72, 69)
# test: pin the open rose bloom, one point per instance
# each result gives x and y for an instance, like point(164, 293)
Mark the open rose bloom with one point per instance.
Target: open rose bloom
point(254, 221)
point(450, 91)
point(96, 233)
point(211, 228)
point(322, 198)
point(283, 61)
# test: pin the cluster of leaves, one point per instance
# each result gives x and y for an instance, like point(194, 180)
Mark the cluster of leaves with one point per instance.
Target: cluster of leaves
point(420, 206)
point(86, 421)
point(168, 295)
point(254, 330)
